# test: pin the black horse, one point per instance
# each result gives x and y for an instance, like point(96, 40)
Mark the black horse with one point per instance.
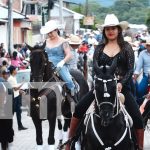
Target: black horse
point(107, 128)
point(43, 71)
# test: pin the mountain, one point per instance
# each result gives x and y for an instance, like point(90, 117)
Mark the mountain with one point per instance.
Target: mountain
point(105, 3)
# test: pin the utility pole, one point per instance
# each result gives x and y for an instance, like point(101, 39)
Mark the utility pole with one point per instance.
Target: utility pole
point(61, 11)
point(50, 7)
point(87, 8)
point(85, 67)
point(10, 27)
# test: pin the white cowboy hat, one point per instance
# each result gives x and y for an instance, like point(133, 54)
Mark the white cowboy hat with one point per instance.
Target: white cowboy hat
point(112, 20)
point(49, 27)
point(128, 39)
point(147, 41)
point(74, 40)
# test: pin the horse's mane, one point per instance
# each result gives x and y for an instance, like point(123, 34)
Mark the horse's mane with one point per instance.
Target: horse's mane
point(37, 46)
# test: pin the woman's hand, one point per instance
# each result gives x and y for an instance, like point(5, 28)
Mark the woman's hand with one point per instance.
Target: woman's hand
point(60, 64)
point(119, 87)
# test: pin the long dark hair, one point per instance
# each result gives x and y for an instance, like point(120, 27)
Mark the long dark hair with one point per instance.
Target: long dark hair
point(14, 55)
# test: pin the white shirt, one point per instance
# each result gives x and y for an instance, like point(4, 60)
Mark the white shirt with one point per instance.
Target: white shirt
point(92, 41)
point(13, 82)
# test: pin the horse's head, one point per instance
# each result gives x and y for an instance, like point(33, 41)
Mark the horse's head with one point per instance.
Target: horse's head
point(105, 92)
point(38, 62)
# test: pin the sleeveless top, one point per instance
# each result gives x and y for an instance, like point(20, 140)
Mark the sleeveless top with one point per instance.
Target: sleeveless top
point(55, 54)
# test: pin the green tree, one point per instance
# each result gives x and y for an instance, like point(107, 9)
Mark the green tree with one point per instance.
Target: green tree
point(133, 11)
point(148, 20)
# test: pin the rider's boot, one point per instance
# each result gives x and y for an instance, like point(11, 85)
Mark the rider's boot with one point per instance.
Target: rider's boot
point(73, 127)
point(140, 138)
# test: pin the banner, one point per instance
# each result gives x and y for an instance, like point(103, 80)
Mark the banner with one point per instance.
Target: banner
point(89, 20)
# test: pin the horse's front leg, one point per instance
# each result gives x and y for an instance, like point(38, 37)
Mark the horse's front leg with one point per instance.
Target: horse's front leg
point(38, 126)
point(51, 139)
point(4, 145)
point(65, 129)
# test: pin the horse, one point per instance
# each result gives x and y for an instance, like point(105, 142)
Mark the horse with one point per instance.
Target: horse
point(108, 127)
point(43, 70)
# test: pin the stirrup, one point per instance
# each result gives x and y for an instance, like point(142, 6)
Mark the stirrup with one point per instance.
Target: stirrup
point(75, 99)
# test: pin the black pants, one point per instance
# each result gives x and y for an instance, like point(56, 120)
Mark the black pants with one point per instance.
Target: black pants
point(17, 108)
point(130, 104)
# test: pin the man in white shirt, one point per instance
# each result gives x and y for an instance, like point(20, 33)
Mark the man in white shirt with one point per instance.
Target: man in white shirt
point(17, 97)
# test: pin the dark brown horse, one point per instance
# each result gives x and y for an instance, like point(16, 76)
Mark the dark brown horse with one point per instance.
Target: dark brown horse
point(43, 71)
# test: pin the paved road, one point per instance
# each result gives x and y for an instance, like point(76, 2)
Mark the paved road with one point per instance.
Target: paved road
point(25, 140)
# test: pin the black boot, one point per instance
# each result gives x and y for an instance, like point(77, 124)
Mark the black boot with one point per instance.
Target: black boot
point(140, 138)
point(22, 128)
point(73, 127)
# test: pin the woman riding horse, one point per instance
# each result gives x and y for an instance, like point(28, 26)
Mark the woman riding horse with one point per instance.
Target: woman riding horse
point(113, 47)
point(59, 52)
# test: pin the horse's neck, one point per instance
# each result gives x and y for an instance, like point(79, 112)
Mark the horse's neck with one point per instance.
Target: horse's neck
point(48, 74)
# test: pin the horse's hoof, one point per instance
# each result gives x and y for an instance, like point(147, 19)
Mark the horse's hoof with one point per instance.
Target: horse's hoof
point(39, 147)
point(10, 146)
point(59, 135)
point(51, 147)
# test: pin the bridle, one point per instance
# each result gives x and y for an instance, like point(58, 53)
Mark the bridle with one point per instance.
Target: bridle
point(107, 95)
point(120, 108)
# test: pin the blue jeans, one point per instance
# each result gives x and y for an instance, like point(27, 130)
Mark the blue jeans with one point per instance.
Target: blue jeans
point(66, 77)
point(141, 88)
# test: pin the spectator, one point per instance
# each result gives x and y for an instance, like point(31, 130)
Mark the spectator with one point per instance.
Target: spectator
point(17, 49)
point(2, 49)
point(84, 47)
point(143, 64)
point(91, 40)
point(2, 58)
point(6, 123)
point(74, 42)
point(141, 46)
point(4, 65)
point(15, 61)
point(23, 50)
point(17, 97)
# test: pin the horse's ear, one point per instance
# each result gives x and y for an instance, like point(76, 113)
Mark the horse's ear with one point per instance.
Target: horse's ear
point(113, 65)
point(44, 44)
point(29, 47)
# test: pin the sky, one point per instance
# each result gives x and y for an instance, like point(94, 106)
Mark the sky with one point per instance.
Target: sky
point(105, 3)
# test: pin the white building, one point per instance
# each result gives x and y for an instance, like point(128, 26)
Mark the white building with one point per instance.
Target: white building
point(71, 18)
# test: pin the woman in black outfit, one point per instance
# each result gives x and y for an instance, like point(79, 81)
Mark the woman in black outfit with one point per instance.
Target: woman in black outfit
point(113, 46)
